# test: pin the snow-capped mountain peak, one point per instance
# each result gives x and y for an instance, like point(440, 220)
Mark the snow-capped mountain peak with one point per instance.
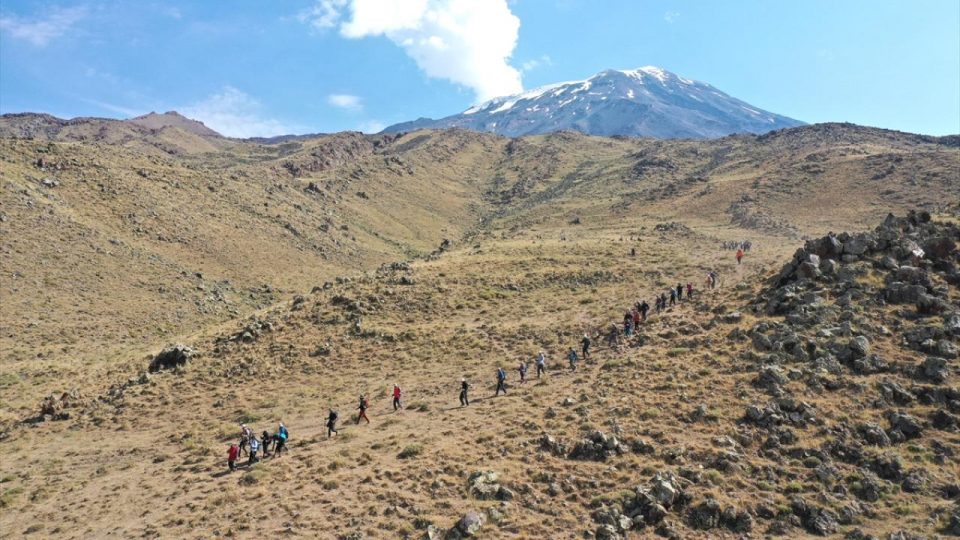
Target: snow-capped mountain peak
point(646, 101)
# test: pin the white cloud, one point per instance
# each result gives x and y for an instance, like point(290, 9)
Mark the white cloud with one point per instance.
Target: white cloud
point(43, 30)
point(235, 114)
point(468, 42)
point(671, 16)
point(345, 101)
point(323, 14)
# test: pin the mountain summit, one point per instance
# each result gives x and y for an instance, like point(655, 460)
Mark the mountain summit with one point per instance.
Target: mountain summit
point(645, 102)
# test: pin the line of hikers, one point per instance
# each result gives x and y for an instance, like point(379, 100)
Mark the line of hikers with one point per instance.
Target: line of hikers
point(251, 445)
point(631, 321)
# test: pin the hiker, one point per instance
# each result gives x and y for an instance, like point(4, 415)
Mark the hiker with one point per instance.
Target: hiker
point(585, 347)
point(663, 301)
point(397, 393)
point(673, 297)
point(522, 370)
point(613, 338)
point(636, 319)
point(627, 324)
point(659, 306)
point(679, 291)
point(689, 290)
point(265, 440)
point(572, 357)
point(541, 363)
point(245, 435)
point(280, 440)
point(232, 454)
point(254, 446)
point(501, 377)
point(464, 387)
point(332, 422)
point(363, 409)
point(644, 308)
point(739, 255)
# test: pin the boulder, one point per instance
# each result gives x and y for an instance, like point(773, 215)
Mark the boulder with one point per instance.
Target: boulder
point(934, 369)
point(171, 357)
point(808, 270)
point(705, 515)
point(470, 524)
point(859, 347)
point(597, 446)
point(874, 434)
point(903, 426)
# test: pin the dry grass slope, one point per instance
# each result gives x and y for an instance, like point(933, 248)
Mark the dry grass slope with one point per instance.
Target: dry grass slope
point(126, 248)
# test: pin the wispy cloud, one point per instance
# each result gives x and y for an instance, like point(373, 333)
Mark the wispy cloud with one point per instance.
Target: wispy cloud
point(671, 16)
point(126, 112)
point(42, 30)
point(345, 101)
point(468, 42)
point(534, 63)
point(323, 14)
point(236, 114)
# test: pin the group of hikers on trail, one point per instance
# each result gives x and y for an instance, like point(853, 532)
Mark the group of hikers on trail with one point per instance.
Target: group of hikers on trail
point(251, 445)
point(731, 245)
point(632, 319)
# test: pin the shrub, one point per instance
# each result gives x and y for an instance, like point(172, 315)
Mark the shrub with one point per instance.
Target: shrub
point(410, 451)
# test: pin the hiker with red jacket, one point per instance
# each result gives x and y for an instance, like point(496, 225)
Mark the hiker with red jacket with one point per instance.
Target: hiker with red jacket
point(396, 396)
point(689, 291)
point(232, 453)
point(363, 409)
point(739, 255)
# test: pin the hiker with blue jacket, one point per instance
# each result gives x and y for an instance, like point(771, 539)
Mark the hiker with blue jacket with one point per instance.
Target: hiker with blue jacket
point(501, 378)
point(280, 440)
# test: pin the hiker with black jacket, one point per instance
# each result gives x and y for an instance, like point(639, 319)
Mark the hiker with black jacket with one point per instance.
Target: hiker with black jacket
point(332, 422)
point(464, 388)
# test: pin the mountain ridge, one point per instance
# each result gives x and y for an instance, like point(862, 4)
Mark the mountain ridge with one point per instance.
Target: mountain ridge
point(647, 101)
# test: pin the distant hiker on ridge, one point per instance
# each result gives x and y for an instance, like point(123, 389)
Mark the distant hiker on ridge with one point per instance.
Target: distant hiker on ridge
point(232, 454)
point(245, 435)
point(501, 378)
point(397, 393)
point(332, 422)
point(541, 363)
point(363, 409)
point(585, 347)
point(464, 388)
point(280, 440)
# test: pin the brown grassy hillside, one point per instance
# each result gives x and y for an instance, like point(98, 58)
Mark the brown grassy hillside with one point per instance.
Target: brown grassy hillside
point(111, 251)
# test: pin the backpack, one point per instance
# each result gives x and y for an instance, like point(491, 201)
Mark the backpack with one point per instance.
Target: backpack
point(284, 433)
point(501, 375)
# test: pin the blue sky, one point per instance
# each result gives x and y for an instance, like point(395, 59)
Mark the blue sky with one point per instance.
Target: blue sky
point(264, 67)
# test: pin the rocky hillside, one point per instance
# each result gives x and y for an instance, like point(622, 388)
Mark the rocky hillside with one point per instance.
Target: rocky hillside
point(111, 247)
point(644, 102)
point(819, 399)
